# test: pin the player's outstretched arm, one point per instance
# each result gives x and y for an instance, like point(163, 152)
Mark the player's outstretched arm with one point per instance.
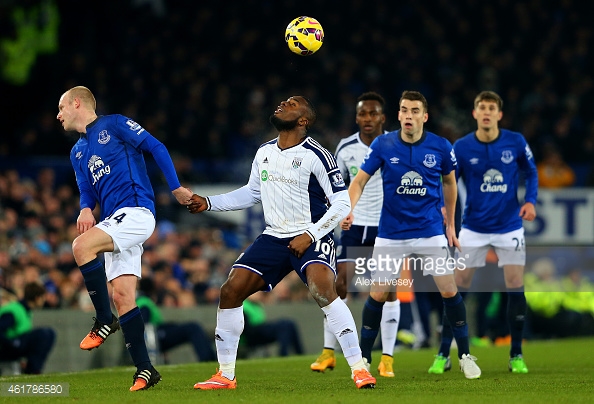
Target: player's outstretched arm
point(183, 195)
point(197, 204)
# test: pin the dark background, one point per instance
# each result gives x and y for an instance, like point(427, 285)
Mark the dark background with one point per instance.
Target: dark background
point(204, 77)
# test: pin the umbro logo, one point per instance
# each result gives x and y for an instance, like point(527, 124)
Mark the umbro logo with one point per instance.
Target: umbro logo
point(345, 332)
point(218, 338)
point(394, 160)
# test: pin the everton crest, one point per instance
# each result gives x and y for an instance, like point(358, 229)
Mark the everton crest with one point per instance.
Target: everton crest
point(507, 156)
point(103, 137)
point(430, 160)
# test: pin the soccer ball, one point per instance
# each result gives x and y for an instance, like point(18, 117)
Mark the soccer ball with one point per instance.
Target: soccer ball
point(304, 35)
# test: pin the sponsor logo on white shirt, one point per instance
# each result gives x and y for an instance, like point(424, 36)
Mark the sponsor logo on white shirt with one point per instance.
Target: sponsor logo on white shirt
point(264, 176)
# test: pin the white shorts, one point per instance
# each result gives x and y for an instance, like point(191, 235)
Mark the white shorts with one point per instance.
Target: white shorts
point(432, 256)
point(509, 247)
point(128, 228)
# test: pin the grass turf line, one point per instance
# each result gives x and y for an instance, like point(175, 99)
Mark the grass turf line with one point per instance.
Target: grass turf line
point(561, 371)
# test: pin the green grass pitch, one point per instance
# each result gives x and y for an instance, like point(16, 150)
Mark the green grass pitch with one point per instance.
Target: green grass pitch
point(561, 371)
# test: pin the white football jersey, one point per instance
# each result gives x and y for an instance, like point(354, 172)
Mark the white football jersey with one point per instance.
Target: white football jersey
point(350, 153)
point(301, 189)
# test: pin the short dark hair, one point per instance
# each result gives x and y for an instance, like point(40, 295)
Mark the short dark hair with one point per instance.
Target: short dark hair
point(311, 119)
point(489, 96)
point(414, 96)
point(33, 290)
point(372, 96)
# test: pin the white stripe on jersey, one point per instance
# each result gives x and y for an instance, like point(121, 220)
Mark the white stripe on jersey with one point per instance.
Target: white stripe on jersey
point(330, 161)
point(350, 153)
point(294, 184)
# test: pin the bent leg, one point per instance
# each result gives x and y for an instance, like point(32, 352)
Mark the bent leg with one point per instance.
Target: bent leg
point(85, 249)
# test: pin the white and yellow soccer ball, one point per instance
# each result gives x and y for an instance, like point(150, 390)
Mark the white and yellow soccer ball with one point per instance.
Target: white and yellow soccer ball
point(304, 36)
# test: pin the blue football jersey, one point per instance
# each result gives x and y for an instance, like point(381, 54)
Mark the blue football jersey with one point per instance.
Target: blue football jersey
point(110, 167)
point(411, 175)
point(491, 175)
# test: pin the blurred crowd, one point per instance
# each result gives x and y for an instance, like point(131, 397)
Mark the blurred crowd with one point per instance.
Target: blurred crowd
point(38, 224)
point(189, 257)
point(205, 77)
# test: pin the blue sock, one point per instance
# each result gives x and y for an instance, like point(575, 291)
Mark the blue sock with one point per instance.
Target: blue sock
point(516, 317)
point(372, 318)
point(463, 291)
point(456, 314)
point(133, 329)
point(94, 275)
point(447, 335)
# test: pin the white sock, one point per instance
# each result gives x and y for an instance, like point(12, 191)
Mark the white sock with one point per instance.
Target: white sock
point(389, 326)
point(227, 333)
point(329, 337)
point(342, 324)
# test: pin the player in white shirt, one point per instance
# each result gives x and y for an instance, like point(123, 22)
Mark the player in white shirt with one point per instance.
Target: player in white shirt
point(350, 153)
point(304, 198)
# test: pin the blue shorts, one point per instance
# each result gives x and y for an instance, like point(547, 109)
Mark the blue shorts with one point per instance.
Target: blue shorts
point(271, 258)
point(356, 236)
